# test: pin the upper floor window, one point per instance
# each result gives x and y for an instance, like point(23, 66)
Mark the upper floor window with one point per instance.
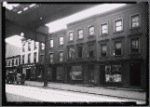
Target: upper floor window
point(135, 45)
point(29, 57)
point(80, 51)
point(118, 25)
point(16, 61)
point(51, 43)
point(104, 29)
point(71, 52)
point(71, 36)
point(29, 45)
point(91, 30)
point(51, 57)
point(61, 40)
point(23, 47)
point(23, 59)
point(118, 48)
point(35, 45)
point(91, 51)
point(42, 46)
point(135, 21)
point(61, 56)
point(103, 50)
point(80, 34)
point(35, 57)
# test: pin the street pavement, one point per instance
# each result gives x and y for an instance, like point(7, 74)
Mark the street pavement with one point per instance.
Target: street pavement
point(40, 94)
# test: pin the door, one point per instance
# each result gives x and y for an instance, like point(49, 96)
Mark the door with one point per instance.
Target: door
point(54, 74)
point(28, 74)
point(135, 72)
point(102, 74)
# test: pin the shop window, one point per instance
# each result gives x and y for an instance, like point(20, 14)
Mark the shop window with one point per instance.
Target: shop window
point(91, 30)
point(104, 29)
point(35, 55)
point(29, 46)
point(80, 52)
point(35, 45)
point(76, 73)
point(91, 51)
point(103, 50)
point(51, 58)
point(80, 34)
point(60, 56)
point(71, 36)
point(29, 57)
point(135, 45)
point(118, 48)
point(61, 40)
point(113, 73)
point(135, 21)
point(42, 46)
point(42, 59)
point(60, 73)
point(51, 43)
point(118, 25)
point(71, 52)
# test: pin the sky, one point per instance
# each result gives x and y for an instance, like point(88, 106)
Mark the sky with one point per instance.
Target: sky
point(61, 23)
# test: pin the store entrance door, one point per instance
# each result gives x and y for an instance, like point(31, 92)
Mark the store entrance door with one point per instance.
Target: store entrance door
point(135, 72)
point(28, 74)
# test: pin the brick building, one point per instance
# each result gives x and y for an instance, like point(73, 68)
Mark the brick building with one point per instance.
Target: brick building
point(108, 49)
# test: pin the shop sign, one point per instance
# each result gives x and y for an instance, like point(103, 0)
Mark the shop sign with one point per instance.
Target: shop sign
point(76, 73)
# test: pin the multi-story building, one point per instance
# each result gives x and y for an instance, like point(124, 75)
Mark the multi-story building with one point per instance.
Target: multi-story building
point(12, 58)
point(108, 49)
point(105, 49)
point(30, 59)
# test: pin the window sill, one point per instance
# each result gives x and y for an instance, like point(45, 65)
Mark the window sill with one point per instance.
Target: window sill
point(135, 54)
point(118, 55)
point(70, 41)
point(103, 57)
point(90, 36)
point(80, 39)
point(133, 28)
point(118, 32)
point(105, 34)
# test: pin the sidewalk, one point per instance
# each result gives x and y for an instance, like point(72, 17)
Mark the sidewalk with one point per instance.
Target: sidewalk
point(122, 93)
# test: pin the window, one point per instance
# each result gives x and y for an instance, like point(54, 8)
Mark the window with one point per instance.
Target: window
point(29, 45)
point(71, 52)
point(42, 59)
point(29, 57)
point(135, 45)
point(16, 61)
point(76, 73)
point(51, 57)
point(71, 36)
point(135, 22)
point(60, 73)
point(113, 73)
point(103, 50)
point(91, 30)
point(80, 34)
point(23, 47)
point(35, 55)
point(42, 46)
point(118, 25)
point(60, 56)
point(61, 40)
point(91, 51)
point(118, 48)
point(23, 59)
point(80, 50)
point(51, 43)
point(35, 45)
point(104, 28)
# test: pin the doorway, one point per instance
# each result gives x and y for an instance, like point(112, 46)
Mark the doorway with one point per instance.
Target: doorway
point(28, 74)
point(135, 72)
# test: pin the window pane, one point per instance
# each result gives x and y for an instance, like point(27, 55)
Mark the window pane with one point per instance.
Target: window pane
point(91, 30)
point(71, 52)
point(135, 45)
point(104, 29)
point(118, 23)
point(71, 36)
point(80, 34)
point(80, 52)
point(103, 50)
point(59, 73)
point(61, 40)
point(51, 43)
point(76, 73)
